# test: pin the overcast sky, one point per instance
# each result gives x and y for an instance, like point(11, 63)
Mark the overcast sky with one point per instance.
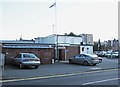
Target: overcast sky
point(34, 18)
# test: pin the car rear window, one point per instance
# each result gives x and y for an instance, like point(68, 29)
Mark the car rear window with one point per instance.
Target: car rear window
point(92, 55)
point(29, 56)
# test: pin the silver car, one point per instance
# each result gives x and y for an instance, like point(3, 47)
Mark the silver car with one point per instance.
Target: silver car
point(85, 59)
point(26, 59)
point(115, 54)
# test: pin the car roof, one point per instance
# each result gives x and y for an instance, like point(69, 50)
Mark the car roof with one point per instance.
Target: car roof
point(25, 53)
point(93, 55)
point(87, 54)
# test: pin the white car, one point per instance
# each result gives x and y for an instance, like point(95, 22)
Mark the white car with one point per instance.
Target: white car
point(102, 53)
point(115, 54)
point(26, 59)
point(108, 54)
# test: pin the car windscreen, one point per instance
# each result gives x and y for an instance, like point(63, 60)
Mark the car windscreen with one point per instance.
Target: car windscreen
point(115, 52)
point(29, 56)
point(93, 56)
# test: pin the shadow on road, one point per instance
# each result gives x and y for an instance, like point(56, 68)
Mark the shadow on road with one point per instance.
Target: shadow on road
point(15, 67)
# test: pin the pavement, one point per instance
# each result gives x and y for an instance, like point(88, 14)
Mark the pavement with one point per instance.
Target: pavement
point(59, 68)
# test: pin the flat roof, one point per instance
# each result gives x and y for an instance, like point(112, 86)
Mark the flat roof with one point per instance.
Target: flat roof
point(35, 47)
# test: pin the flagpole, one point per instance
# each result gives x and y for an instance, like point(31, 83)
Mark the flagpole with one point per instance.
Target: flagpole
point(53, 28)
point(56, 16)
point(54, 5)
point(56, 36)
point(56, 31)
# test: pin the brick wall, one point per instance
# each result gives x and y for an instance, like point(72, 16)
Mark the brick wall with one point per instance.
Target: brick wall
point(45, 55)
point(0, 48)
point(71, 51)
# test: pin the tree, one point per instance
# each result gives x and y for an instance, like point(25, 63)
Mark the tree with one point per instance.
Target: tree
point(95, 46)
point(70, 34)
point(99, 45)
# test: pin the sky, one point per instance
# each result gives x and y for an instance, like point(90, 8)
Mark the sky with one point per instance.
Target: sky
point(33, 18)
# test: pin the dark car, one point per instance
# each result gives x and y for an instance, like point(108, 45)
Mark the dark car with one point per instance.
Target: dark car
point(86, 59)
point(102, 54)
point(26, 59)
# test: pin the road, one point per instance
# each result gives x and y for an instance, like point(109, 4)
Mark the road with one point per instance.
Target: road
point(103, 77)
point(56, 68)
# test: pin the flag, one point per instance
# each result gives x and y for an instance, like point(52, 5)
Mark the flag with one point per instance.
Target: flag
point(54, 4)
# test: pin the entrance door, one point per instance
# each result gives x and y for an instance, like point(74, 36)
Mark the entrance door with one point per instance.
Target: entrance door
point(62, 54)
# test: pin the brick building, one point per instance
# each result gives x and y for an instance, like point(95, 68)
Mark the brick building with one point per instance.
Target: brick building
point(53, 47)
point(66, 46)
point(44, 52)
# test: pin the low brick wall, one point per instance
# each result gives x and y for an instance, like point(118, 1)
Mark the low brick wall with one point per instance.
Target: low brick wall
point(45, 54)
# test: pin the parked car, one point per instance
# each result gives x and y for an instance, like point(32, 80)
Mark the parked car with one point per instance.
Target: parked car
point(26, 59)
point(102, 54)
point(115, 54)
point(108, 54)
point(86, 59)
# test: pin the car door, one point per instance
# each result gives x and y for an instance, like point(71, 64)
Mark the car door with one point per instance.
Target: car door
point(17, 59)
point(79, 59)
point(75, 59)
point(82, 58)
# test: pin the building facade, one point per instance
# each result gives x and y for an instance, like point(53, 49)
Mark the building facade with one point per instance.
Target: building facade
point(53, 47)
point(59, 39)
point(42, 51)
point(66, 46)
point(87, 39)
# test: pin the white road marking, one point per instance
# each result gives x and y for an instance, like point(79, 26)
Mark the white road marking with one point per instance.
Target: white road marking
point(88, 83)
point(95, 68)
point(54, 76)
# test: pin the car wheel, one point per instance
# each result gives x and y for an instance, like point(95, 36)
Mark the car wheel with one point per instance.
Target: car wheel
point(70, 61)
point(36, 67)
point(20, 66)
point(13, 62)
point(86, 63)
point(94, 64)
point(100, 60)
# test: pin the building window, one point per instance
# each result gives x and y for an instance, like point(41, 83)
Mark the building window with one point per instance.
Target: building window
point(87, 48)
point(82, 48)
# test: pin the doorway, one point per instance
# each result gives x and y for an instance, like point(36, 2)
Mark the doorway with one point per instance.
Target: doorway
point(62, 54)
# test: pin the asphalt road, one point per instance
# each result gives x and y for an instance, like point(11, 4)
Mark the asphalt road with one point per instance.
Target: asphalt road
point(12, 71)
point(108, 77)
